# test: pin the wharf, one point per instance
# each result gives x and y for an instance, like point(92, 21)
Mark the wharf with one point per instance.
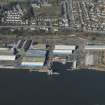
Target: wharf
point(43, 70)
point(22, 68)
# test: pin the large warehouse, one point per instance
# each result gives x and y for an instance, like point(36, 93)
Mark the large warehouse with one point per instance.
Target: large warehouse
point(61, 54)
point(63, 49)
point(95, 47)
point(6, 57)
point(35, 57)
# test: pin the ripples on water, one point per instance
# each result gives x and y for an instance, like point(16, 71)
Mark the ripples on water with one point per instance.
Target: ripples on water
point(69, 88)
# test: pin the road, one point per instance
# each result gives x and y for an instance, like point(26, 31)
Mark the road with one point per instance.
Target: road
point(24, 26)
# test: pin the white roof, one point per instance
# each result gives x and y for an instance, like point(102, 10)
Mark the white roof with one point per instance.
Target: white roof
point(95, 47)
point(89, 60)
point(32, 63)
point(62, 51)
point(37, 53)
point(65, 47)
point(39, 46)
point(7, 57)
point(4, 49)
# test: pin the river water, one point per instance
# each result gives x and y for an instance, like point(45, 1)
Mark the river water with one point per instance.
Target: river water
point(69, 88)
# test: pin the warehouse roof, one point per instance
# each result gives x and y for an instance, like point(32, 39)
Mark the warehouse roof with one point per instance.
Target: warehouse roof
point(95, 47)
point(32, 64)
point(33, 59)
point(62, 51)
point(32, 52)
point(38, 46)
point(65, 47)
point(6, 51)
point(7, 57)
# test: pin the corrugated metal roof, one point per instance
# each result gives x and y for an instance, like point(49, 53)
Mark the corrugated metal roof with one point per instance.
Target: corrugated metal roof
point(33, 59)
point(36, 64)
point(35, 53)
point(6, 52)
point(7, 57)
point(89, 60)
point(20, 43)
point(4, 49)
point(27, 44)
point(62, 51)
point(95, 47)
point(65, 47)
point(39, 46)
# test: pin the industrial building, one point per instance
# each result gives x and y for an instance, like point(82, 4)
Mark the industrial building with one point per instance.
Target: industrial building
point(33, 62)
point(95, 47)
point(24, 44)
point(34, 57)
point(6, 57)
point(89, 59)
point(63, 49)
point(94, 55)
point(61, 55)
point(38, 56)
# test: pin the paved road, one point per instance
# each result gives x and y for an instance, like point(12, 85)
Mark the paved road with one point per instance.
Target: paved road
point(24, 26)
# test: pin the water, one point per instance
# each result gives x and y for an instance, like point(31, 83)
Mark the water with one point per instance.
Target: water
point(69, 88)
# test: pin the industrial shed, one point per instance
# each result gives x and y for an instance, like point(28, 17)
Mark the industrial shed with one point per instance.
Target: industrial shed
point(33, 61)
point(6, 51)
point(60, 55)
point(32, 64)
point(33, 52)
point(38, 46)
point(89, 60)
point(6, 54)
point(7, 57)
point(65, 47)
point(62, 52)
point(95, 47)
point(35, 57)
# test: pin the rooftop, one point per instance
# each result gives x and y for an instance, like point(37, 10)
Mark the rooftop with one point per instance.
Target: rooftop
point(33, 59)
point(5, 51)
point(65, 47)
point(35, 53)
point(38, 46)
point(95, 47)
